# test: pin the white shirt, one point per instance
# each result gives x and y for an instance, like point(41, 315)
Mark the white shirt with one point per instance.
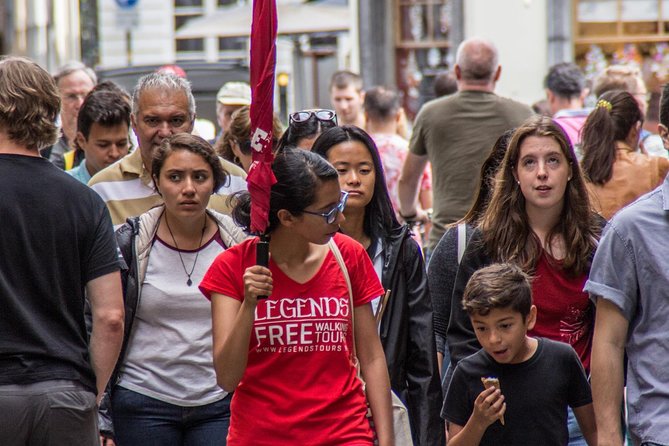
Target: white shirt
point(169, 354)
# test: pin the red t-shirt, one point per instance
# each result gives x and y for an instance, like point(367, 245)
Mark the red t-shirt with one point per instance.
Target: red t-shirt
point(300, 386)
point(563, 310)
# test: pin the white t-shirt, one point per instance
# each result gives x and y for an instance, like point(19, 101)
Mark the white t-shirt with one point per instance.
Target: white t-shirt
point(169, 354)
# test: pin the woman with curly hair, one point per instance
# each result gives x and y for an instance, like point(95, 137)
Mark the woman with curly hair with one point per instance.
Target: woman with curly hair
point(164, 387)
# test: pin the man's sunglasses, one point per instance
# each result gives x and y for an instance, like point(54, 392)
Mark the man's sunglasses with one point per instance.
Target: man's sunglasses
point(331, 216)
point(322, 115)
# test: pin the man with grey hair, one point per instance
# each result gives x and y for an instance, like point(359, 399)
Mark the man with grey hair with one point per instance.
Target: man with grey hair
point(455, 133)
point(74, 81)
point(162, 105)
point(51, 368)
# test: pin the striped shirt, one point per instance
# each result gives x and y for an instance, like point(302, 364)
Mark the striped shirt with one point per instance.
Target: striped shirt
point(127, 188)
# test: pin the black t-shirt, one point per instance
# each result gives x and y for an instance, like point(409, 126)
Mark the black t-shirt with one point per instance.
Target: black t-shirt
point(537, 393)
point(55, 236)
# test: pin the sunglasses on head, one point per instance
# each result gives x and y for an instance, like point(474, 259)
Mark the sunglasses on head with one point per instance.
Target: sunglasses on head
point(322, 115)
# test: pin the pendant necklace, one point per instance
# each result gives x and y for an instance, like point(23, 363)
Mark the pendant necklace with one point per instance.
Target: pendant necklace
point(189, 282)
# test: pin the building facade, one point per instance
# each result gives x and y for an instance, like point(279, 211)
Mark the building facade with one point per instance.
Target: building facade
point(400, 43)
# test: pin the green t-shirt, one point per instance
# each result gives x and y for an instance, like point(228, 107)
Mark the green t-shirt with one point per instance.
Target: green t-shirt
point(457, 133)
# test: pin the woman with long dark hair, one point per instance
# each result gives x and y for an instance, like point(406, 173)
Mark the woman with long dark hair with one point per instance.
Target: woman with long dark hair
point(539, 218)
point(404, 312)
point(290, 357)
point(617, 174)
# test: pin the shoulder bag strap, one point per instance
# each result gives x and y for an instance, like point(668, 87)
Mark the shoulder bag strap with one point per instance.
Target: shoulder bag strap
point(462, 240)
point(337, 253)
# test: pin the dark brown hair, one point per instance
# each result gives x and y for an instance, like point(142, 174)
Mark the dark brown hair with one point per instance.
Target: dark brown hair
point(379, 220)
point(445, 84)
point(664, 106)
point(612, 119)
point(191, 143)
point(381, 104)
point(299, 174)
point(107, 107)
point(500, 285)
point(30, 103)
point(487, 179)
point(506, 230)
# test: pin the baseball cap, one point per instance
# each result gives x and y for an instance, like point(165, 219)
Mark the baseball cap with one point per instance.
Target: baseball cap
point(234, 93)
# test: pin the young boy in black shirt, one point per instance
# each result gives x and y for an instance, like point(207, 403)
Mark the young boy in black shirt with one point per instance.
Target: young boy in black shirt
point(537, 378)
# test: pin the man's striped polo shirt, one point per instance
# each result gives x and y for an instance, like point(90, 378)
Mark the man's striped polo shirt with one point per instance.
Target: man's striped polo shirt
point(127, 188)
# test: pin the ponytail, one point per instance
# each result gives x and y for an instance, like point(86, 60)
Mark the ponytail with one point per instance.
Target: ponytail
point(616, 113)
point(241, 210)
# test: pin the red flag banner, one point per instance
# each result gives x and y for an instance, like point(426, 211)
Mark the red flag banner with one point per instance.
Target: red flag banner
point(263, 65)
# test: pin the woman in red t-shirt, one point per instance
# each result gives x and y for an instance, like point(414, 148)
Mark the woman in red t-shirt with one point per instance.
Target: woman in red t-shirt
point(404, 315)
point(289, 357)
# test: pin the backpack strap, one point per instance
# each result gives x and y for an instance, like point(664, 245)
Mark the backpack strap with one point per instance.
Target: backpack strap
point(462, 240)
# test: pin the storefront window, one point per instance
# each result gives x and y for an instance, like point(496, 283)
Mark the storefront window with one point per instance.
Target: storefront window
point(422, 48)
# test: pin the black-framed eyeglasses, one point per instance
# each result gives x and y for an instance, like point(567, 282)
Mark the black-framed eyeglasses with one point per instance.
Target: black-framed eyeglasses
point(322, 115)
point(331, 215)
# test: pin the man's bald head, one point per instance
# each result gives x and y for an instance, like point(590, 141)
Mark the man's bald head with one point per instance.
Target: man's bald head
point(477, 61)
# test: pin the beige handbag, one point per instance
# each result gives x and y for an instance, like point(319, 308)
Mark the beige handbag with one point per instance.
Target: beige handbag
point(401, 424)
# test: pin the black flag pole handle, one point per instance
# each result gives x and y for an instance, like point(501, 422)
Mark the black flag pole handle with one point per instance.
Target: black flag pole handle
point(262, 254)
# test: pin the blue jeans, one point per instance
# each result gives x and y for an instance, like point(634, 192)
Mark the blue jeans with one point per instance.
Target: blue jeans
point(575, 434)
point(145, 421)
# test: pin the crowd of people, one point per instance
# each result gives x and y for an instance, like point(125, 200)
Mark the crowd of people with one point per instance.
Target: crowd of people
point(485, 275)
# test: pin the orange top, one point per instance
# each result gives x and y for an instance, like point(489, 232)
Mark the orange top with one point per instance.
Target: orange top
point(634, 174)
